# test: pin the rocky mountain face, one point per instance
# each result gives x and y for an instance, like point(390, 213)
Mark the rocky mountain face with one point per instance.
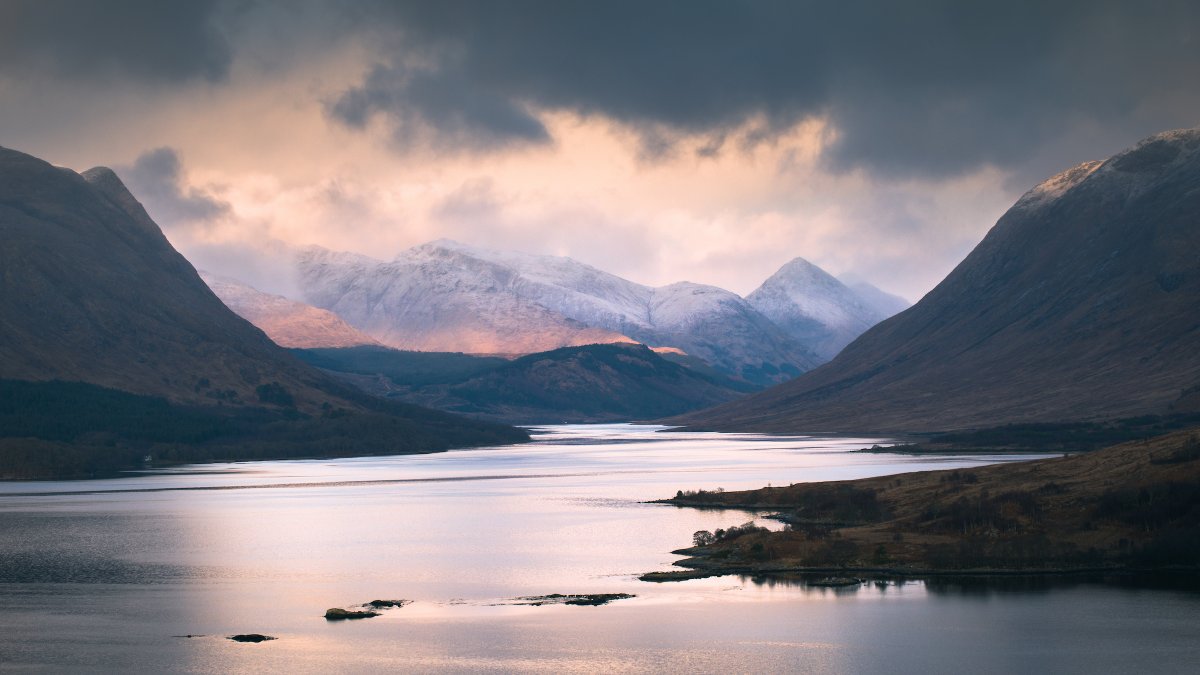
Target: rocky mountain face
point(815, 308)
point(288, 323)
point(1079, 304)
point(446, 296)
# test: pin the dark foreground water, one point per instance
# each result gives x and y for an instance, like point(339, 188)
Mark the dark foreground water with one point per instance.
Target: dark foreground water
point(102, 575)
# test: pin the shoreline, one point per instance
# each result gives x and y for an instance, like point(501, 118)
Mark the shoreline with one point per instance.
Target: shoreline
point(702, 567)
point(1128, 508)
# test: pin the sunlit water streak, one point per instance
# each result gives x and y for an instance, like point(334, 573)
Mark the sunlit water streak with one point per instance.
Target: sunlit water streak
point(101, 574)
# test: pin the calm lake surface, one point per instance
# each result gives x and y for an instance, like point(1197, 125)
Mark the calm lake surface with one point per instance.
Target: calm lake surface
point(101, 575)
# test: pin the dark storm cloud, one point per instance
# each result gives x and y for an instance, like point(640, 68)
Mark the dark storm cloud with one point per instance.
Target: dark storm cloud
point(438, 105)
point(920, 87)
point(930, 86)
point(154, 40)
point(157, 180)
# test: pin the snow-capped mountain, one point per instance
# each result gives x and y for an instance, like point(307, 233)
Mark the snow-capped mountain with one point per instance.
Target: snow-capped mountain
point(447, 296)
point(815, 308)
point(288, 323)
point(432, 298)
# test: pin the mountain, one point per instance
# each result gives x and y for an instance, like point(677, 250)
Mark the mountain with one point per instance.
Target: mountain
point(113, 348)
point(432, 299)
point(93, 292)
point(1079, 304)
point(814, 307)
point(446, 296)
point(288, 323)
point(616, 382)
point(882, 303)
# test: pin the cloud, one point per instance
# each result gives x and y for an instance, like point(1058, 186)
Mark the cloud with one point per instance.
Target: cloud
point(708, 140)
point(438, 108)
point(925, 88)
point(158, 181)
point(929, 87)
point(147, 40)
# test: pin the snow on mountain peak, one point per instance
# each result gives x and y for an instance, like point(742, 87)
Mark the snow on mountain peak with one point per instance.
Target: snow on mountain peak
point(445, 295)
point(812, 305)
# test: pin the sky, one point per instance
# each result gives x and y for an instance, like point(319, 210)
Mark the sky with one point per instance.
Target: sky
point(661, 141)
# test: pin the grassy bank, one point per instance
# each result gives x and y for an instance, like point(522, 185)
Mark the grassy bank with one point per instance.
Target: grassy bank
point(1131, 506)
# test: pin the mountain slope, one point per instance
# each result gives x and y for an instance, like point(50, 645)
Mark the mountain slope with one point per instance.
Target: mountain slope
point(288, 323)
point(445, 296)
point(435, 300)
point(97, 309)
point(880, 302)
point(93, 292)
point(814, 307)
point(1079, 304)
point(617, 382)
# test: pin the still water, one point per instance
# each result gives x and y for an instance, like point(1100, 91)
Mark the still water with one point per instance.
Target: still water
point(103, 575)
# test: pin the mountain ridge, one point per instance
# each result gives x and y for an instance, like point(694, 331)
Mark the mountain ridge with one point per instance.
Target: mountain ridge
point(447, 296)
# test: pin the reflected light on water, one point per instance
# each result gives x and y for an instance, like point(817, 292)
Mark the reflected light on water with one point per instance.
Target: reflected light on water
point(112, 569)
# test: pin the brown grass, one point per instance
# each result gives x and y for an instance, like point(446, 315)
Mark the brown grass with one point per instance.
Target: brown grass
point(1131, 505)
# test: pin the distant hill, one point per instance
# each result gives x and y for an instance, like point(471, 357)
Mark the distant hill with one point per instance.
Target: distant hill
point(99, 310)
point(288, 323)
point(403, 368)
point(590, 383)
point(1080, 304)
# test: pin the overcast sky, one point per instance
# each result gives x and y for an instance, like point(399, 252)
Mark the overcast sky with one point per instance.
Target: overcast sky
point(662, 141)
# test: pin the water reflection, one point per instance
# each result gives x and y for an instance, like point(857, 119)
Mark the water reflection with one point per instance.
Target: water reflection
point(112, 569)
point(983, 585)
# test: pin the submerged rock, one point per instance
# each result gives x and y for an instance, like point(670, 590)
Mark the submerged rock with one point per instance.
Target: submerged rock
point(338, 614)
point(364, 611)
point(561, 599)
point(248, 637)
point(677, 575)
point(381, 604)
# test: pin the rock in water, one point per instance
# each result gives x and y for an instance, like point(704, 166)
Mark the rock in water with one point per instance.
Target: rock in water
point(338, 614)
point(249, 637)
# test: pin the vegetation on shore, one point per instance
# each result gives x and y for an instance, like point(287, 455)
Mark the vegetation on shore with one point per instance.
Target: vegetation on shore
point(1130, 506)
point(77, 430)
point(1046, 437)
